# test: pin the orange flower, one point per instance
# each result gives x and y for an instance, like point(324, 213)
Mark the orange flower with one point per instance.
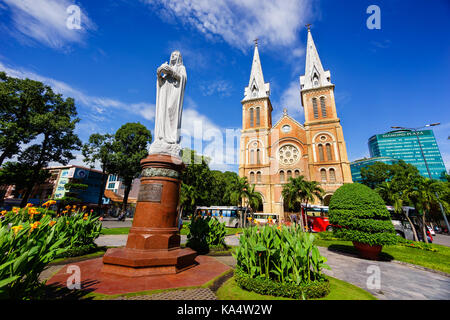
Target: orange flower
point(29, 205)
point(15, 210)
point(279, 227)
point(34, 225)
point(52, 223)
point(4, 212)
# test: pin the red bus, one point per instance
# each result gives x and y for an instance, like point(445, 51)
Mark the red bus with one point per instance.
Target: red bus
point(317, 218)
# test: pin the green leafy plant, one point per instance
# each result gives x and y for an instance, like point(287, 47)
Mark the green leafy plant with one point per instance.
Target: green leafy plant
point(359, 214)
point(284, 255)
point(204, 233)
point(30, 238)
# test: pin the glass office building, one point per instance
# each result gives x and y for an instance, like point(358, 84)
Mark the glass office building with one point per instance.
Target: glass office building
point(356, 166)
point(404, 145)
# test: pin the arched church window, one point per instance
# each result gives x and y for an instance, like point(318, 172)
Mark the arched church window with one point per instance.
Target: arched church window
point(258, 156)
point(323, 175)
point(315, 80)
point(329, 154)
point(252, 156)
point(258, 113)
point(252, 177)
point(321, 158)
point(315, 109)
point(251, 117)
point(332, 175)
point(281, 176)
point(297, 173)
point(258, 176)
point(323, 107)
point(289, 174)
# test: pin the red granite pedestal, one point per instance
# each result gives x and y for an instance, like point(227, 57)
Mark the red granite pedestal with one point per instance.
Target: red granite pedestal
point(153, 244)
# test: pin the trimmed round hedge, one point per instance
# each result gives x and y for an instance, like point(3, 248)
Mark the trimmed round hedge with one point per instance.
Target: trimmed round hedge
point(359, 214)
point(314, 290)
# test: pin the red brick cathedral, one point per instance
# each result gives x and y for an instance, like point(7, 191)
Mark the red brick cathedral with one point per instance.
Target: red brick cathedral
point(272, 153)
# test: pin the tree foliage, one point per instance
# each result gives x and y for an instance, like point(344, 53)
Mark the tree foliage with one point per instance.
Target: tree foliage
point(359, 214)
point(129, 147)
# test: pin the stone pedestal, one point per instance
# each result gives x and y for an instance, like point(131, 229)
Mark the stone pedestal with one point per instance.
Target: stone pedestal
point(153, 245)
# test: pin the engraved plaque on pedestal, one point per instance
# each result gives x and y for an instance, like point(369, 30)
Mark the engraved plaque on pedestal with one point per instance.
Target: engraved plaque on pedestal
point(150, 192)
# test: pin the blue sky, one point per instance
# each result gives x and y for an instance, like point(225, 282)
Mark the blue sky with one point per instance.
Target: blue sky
point(398, 75)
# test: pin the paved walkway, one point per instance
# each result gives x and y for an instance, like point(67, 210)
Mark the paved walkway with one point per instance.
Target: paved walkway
point(442, 239)
point(397, 281)
point(120, 240)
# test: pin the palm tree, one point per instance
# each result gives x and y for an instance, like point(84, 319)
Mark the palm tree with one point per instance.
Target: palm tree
point(424, 194)
point(390, 194)
point(298, 190)
point(240, 191)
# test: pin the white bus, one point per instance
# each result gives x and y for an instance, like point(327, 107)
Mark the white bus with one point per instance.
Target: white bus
point(231, 216)
point(263, 218)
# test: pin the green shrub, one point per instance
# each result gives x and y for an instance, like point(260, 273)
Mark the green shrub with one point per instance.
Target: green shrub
point(278, 257)
point(265, 286)
point(359, 214)
point(30, 238)
point(204, 233)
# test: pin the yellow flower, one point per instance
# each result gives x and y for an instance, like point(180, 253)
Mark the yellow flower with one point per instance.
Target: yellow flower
point(67, 222)
point(16, 229)
point(15, 210)
point(68, 207)
point(29, 205)
point(74, 207)
point(249, 218)
point(4, 212)
point(46, 204)
point(279, 227)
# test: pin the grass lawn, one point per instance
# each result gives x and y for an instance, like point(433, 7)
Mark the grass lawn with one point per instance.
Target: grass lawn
point(184, 230)
point(340, 290)
point(439, 260)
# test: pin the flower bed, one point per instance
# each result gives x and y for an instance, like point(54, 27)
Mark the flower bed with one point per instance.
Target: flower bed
point(32, 237)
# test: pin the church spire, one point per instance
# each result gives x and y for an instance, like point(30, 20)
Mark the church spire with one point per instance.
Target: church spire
point(315, 76)
point(257, 88)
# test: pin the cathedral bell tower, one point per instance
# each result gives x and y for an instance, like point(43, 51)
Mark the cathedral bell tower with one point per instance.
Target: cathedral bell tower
point(254, 160)
point(328, 162)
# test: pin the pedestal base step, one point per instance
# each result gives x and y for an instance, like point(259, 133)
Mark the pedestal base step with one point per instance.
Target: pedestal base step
point(140, 263)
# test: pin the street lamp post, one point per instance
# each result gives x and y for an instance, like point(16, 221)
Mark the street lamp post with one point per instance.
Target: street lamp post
point(426, 164)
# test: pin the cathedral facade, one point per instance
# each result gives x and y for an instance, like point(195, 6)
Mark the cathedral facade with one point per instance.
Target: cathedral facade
point(272, 153)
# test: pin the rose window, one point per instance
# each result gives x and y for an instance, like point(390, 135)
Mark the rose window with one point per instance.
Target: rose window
point(288, 154)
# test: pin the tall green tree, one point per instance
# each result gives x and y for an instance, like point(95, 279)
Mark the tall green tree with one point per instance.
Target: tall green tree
point(129, 148)
point(242, 192)
point(395, 196)
point(22, 103)
point(56, 140)
point(375, 174)
point(198, 176)
point(298, 191)
point(423, 194)
point(99, 150)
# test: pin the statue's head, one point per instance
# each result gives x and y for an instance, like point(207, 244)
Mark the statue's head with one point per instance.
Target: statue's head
point(176, 58)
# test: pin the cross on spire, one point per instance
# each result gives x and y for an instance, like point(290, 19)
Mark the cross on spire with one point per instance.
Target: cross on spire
point(308, 26)
point(256, 42)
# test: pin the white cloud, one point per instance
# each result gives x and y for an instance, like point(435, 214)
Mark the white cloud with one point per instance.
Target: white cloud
point(45, 21)
point(239, 22)
point(220, 87)
point(97, 104)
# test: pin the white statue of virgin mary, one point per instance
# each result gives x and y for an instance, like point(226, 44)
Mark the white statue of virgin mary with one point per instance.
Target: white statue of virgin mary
point(169, 106)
